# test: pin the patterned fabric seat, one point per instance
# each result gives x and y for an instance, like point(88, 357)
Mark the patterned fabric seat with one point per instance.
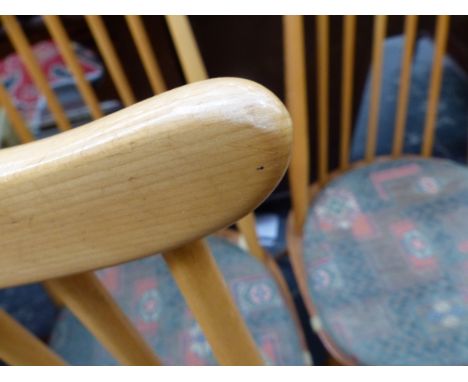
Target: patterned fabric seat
point(147, 293)
point(386, 257)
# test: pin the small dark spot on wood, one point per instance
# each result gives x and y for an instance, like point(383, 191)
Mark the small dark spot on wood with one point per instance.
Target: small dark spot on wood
point(260, 168)
point(131, 178)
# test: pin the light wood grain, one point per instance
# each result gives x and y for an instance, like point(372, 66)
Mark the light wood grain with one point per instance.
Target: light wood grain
point(14, 116)
point(209, 299)
point(296, 101)
point(19, 347)
point(380, 26)
point(442, 31)
point(21, 45)
point(349, 37)
point(112, 61)
point(194, 70)
point(187, 48)
point(65, 46)
point(143, 44)
point(91, 303)
point(411, 25)
point(148, 178)
point(322, 95)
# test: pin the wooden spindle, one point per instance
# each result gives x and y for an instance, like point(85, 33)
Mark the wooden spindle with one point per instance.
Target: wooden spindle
point(143, 45)
point(411, 25)
point(20, 42)
point(13, 114)
point(247, 227)
point(322, 35)
point(187, 49)
point(109, 55)
point(209, 299)
point(64, 44)
point(19, 347)
point(441, 36)
point(380, 26)
point(92, 304)
point(349, 37)
point(296, 101)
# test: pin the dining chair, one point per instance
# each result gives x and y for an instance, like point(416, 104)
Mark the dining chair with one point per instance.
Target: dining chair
point(379, 245)
point(158, 294)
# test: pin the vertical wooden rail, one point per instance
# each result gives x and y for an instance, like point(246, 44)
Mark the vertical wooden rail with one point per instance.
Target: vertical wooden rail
point(296, 101)
point(195, 70)
point(349, 37)
point(411, 24)
point(108, 53)
point(322, 35)
point(87, 298)
point(20, 348)
point(13, 114)
point(141, 40)
point(441, 36)
point(208, 297)
point(59, 35)
point(187, 49)
point(21, 45)
point(380, 26)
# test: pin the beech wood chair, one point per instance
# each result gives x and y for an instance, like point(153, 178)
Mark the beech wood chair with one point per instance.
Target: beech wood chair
point(126, 188)
point(378, 245)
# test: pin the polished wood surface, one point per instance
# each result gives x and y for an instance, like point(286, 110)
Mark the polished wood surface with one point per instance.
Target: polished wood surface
point(134, 182)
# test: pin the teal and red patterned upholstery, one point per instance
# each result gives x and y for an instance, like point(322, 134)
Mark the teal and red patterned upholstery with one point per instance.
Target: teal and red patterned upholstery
point(147, 293)
point(386, 255)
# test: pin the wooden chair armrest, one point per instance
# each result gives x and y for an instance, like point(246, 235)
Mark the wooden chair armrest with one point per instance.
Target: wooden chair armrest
point(148, 178)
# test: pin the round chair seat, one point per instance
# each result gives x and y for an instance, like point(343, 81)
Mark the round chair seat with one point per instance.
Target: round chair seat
point(149, 296)
point(386, 258)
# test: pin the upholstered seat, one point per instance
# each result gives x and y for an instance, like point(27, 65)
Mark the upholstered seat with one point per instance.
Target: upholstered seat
point(147, 293)
point(386, 258)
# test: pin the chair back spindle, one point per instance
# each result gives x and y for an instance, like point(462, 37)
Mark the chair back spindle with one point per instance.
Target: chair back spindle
point(441, 37)
point(111, 60)
point(411, 24)
point(60, 37)
point(322, 36)
point(20, 42)
point(349, 37)
point(380, 26)
point(142, 42)
point(296, 101)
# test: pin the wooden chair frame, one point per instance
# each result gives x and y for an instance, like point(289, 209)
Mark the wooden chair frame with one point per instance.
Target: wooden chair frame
point(302, 193)
point(82, 293)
